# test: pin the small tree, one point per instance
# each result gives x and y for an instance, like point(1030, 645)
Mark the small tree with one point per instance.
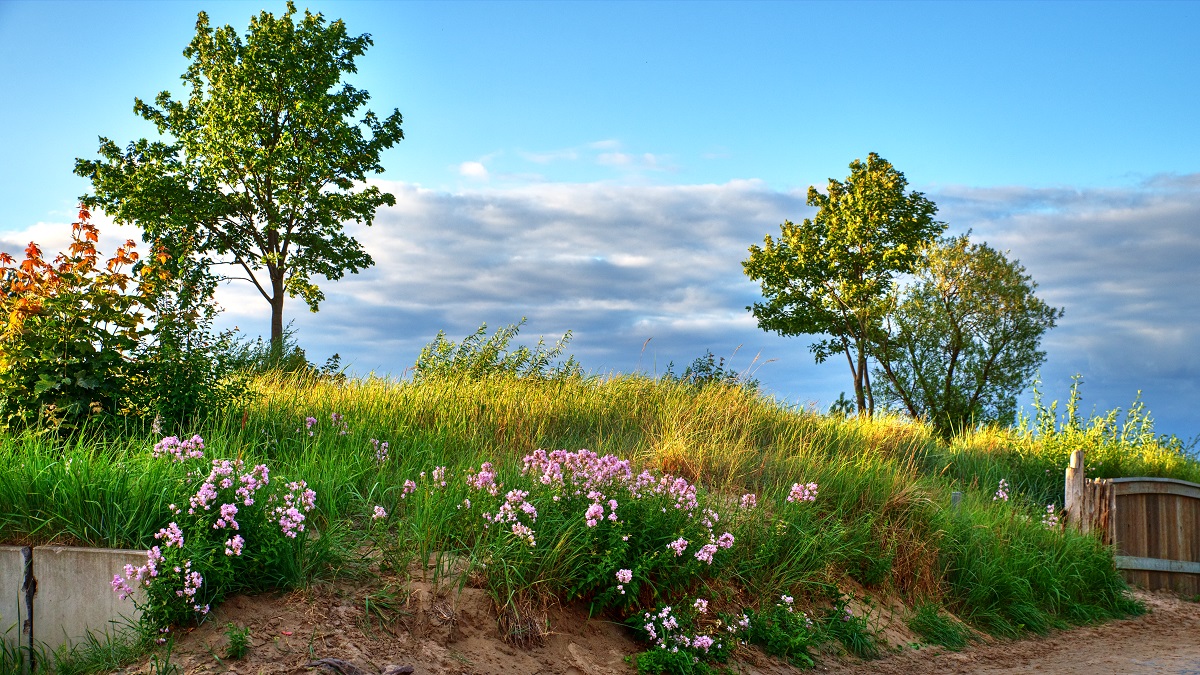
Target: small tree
point(85, 338)
point(261, 159)
point(831, 275)
point(68, 330)
point(962, 340)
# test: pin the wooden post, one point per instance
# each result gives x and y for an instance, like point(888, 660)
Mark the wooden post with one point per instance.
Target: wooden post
point(1105, 504)
point(1073, 501)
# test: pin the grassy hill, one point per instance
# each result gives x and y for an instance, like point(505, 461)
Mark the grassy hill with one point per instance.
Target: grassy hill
point(777, 508)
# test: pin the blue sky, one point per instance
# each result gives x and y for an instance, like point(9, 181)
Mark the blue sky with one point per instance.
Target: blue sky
point(602, 167)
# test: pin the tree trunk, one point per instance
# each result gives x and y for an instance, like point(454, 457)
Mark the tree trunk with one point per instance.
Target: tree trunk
point(277, 295)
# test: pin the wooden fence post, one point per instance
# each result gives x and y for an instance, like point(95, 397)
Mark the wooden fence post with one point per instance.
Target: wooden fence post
point(1073, 497)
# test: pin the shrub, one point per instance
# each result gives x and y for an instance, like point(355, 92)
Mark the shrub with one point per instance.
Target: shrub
point(710, 369)
point(480, 355)
point(70, 330)
point(83, 340)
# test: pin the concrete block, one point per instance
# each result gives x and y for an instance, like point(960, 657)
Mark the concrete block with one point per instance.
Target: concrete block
point(75, 596)
point(12, 596)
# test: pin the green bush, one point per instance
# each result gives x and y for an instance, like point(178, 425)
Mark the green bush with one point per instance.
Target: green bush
point(83, 342)
point(481, 355)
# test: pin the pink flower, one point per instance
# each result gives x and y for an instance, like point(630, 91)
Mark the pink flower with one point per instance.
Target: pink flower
point(234, 546)
point(749, 501)
point(624, 576)
point(594, 514)
point(379, 514)
point(679, 545)
point(705, 554)
point(725, 540)
point(803, 493)
point(171, 536)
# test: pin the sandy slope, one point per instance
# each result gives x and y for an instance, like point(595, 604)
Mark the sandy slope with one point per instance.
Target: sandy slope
point(435, 633)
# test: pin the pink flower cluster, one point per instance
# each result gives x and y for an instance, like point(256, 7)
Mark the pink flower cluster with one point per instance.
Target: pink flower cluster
point(226, 521)
point(803, 493)
point(1050, 519)
point(379, 514)
point(297, 501)
point(192, 448)
point(222, 476)
point(234, 546)
point(1002, 491)
point(595, 512)
point(516, 504)
point(749, 501)
point(226, 487)
point(381, 450)
point(171, 535)
point(485, 480)
point(663, 628)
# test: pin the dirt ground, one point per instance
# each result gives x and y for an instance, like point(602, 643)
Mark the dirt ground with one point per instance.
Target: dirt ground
point(456, 633)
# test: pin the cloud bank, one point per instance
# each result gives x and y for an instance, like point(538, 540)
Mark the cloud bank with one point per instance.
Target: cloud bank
point(621, 264)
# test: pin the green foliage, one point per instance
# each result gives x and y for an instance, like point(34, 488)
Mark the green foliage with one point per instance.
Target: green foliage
point(852, 630)
point(831, 275)
point(237, 640)
point(961, 341)
point(1034, 455)
point(1008, 573)
point(232, 528)
point(710, 369)
point(783, 631)
point(69, 332)
point(82, 342)
point(935, 628)
point(481, 355)
point(261, 159)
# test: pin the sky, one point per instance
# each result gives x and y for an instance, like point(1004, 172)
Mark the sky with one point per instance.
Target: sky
point(603, 167)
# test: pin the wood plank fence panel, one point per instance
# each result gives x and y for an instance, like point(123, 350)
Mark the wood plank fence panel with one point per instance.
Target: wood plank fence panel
point(1154, 523)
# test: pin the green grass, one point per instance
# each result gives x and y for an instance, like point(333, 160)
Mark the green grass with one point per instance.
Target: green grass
point(881, 517)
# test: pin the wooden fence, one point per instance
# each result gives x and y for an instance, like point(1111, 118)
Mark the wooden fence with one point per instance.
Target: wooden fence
point(1153, 522)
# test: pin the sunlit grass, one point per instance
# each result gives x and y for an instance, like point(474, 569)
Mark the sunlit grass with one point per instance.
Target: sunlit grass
point(882, 518)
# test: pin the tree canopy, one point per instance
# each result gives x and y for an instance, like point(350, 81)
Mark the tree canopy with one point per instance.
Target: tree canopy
point(962, 340)
point(264, 160)
point(831, 275)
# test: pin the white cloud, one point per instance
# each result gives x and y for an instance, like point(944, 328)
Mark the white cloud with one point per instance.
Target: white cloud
point(549, 156)
point(618, 264)
point(614, 159)
point(473, 170)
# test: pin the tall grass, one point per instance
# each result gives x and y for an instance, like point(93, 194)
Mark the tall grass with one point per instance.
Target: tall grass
point(881, 518)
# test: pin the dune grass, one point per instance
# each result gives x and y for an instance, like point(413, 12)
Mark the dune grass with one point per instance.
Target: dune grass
point(882, 516)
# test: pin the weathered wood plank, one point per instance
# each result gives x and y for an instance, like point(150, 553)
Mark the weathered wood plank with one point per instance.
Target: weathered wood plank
point(1171, 486)
point(1125, 562)
point(1073, 500)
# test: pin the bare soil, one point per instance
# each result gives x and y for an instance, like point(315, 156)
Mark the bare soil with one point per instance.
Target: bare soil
point(456, 632)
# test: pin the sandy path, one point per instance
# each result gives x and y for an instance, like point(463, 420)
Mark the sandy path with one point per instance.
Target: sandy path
point(1165, 640)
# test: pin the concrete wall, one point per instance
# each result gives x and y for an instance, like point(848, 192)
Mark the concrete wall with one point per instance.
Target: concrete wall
point(12, 598)
point(75, 596)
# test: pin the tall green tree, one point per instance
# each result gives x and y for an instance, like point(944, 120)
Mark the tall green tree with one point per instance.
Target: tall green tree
point(263, 162)
point(962, 340)
point(831, 275)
